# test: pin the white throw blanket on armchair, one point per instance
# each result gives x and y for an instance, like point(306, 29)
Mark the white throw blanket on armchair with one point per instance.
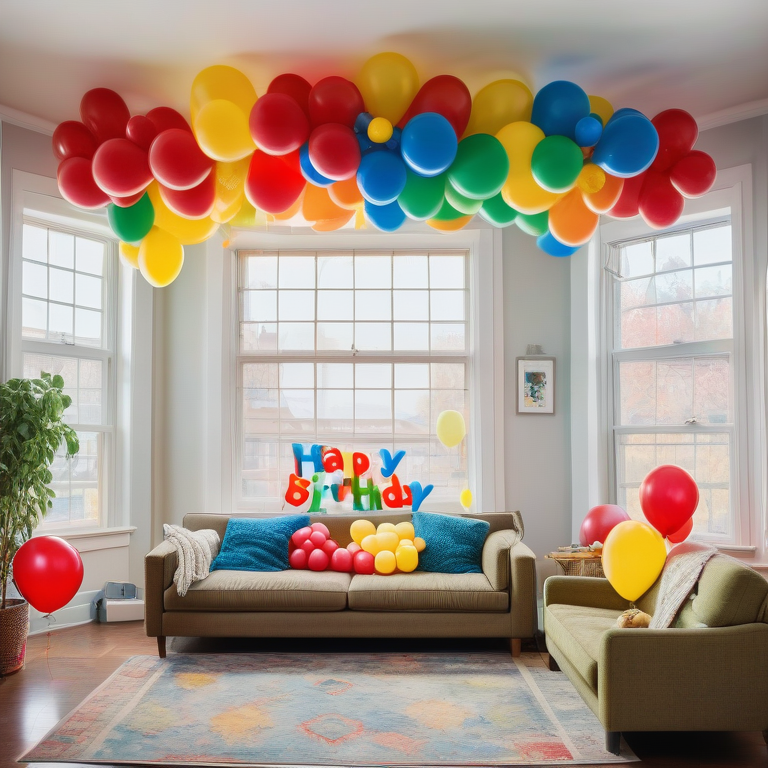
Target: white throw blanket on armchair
point(195, 550)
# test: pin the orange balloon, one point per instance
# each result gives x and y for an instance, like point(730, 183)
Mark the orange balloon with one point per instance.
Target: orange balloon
point(454, 225)
point(346, 194)
point(605, 199)
point(570, 221)
point(329, 225)
point(318, 206)
point(293, 210)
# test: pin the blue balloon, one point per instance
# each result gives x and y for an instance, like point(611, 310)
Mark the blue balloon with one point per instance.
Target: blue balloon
point(553, 247)
point(623, 112)
point(362, 121)
point(364, 142)
point(588, 131)
point(429, 144)
point(627, 147)
point(381, 177)
point(558, 107)
point(394, 141)
point(309, 172)
point(387, 218)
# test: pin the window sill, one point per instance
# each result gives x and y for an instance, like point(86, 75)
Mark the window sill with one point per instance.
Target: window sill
point(91, 539)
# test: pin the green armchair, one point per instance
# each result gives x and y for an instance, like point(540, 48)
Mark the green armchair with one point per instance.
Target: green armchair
point(708, 672)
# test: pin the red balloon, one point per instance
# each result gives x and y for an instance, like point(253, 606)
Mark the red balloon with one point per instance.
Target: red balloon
point(677, 134)
point(659, 203)
point(278, 124)
point(341, 560)
point(626, 206)
point(76, 184)
point(48, 572)
point(127, 202)
point(273, 183)
point(694, 175)
point(318, 560)
point(318, 538)
point(322, 528)
point(176, 160)
point(363, 562)
point(195, 203)
point(599, 522)
point(141, 131)
point(72, 139)
point(104, 113)
point(353, 548)
point(330, 547)
point(300, 536)
point(335, 100)
point(120, 168)
point(308, 546)
point(446, 95)
point(165, 118)
point(668, 497)
point(683, 533)
point(334, 151)
point(294, 86)
point(298, 559)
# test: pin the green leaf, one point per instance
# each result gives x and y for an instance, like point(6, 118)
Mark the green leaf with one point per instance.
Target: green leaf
point(58, 381)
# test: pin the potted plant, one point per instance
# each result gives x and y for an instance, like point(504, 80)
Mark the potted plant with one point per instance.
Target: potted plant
point(31, 431)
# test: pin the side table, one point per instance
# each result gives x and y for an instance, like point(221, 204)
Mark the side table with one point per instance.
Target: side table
point(579, 563)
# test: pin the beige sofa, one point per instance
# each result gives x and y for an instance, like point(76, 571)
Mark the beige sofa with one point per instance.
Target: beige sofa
point(500, 602)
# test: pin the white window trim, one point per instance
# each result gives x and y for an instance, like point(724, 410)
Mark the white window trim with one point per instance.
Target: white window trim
point(485, 431)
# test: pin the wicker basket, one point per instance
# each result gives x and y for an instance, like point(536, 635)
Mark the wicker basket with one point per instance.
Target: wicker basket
point(573, 565)
point(14, 627)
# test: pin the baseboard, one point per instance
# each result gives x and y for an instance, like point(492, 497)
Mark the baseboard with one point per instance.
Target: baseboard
point(80, 610)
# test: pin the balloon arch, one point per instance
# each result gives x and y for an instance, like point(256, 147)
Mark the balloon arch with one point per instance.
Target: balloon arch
point(380, 150)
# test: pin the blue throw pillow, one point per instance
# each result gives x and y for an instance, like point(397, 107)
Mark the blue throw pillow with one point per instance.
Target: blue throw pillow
point(454, 544)
point(257, 544)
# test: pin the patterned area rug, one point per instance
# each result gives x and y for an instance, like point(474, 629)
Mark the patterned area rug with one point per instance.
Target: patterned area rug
point(468, 709)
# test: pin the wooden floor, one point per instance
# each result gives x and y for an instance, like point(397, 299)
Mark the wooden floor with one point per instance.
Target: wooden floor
point(64, 667)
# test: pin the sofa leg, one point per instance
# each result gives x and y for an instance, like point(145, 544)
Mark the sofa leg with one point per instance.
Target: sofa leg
point(161, 646)
point(515, 646)
point(613, 742)
point(553, 665)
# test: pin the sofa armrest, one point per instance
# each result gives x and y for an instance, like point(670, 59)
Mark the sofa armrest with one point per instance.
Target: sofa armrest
point(709, 678)
point(496, 557)
point(159, 566)
point(583, 590)
point(522, 591)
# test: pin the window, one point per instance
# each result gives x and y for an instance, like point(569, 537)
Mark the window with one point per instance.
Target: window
point(674, 371)
point(67, 309)
point(358, 350)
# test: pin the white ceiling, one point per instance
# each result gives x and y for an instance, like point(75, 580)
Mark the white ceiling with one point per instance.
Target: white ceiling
point(700, 55)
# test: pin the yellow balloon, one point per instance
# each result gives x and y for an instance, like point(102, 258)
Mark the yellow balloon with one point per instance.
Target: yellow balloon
point(466, 498)
point(222, 82)
point(388, 82)
point(248, 216)
point(388, 540)
point(498, 104)
point(450, 428)
point(386, 527)
point(521, 191)
point(419, 543)
point(221, 130)
point(379, 130)
point(360, 529)
point(406, 543)
point(407, 559)
point(230, 189)
point(633, 557)
point(405, 531)
point(129, 254)
point(161, 257)
point(371, 544)
point(591, 178)
point(186, 231)
point(601, 107)
point(385, 562)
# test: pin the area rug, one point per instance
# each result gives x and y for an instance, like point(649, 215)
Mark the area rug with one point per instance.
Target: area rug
point(464, 709)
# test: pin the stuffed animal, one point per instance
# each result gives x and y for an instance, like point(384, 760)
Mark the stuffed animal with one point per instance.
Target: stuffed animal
point(633, 618)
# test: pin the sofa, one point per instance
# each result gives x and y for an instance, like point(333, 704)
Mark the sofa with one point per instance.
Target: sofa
point(499, 602)
point(708, 672)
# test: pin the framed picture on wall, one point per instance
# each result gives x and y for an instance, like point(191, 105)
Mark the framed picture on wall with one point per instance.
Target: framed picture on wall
point(536, 385)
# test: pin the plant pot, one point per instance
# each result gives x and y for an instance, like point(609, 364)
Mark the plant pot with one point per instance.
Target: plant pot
point(14, 627)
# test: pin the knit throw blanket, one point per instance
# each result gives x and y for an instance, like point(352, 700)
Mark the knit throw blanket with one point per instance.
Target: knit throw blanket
point(682, 569)
point(195, 550)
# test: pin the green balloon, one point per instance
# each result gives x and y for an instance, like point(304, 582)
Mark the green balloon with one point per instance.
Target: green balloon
point(133, 223)
point(461, 203)
point(447, 213)
point(495, 211)
point(556, 163)
point(422, 197)
point(480, 168)
point(534, 223)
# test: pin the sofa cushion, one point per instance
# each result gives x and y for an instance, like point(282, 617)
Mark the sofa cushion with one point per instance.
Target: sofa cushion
point(262, 591)
point(577, 630)
point(443, 592)
point(454, 544)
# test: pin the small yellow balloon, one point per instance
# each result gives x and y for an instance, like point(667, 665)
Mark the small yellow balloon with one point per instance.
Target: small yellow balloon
point(591, 178)
point(450, 428)
point(221, 82)
point(633, 557)
point(388, 540)
point(407, 559)
point(379, 130)
point(129, 255)
point(186, 231)
point(405, 543)
point(388, 82)
point(221, 130)
point(386, 527)
point(466, 498)
point(161, 257)
point(405, 531)
point(601, 107)
point(385, 562)
point(371, 544)
point(419, 543)
point(360, 529)
point(498, 104)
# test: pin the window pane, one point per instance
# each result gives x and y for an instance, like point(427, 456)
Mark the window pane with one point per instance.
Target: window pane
point(373, 410)
point(712, 390)
point(675, 323)
point(334, 375)
point(373, 336)
point(714, 319)
point(296, 336)
point(411, 305)
point(448, 376)
point(261, 272)
point(410, 271)
point(412, 411)
point(333, 404)
point(447, 305)
point(260, 375)
point(297, 375)
point(296, 271)
point(448, 337)
point(714, 281)
point(61, 249)
point(62, 286)
point(34, 318)
point(90, 256)
point(88, 291)
point(410, 337)
point(334, 271)
point(637, 259)
point(638, 293)
point(87, 326)
point(674, 384)
point(411, 375)
point(674, 286)
point(34, 280)
point(712, 245)
point(638, 393)
point(334, 305)
point(373, 305)
point(34, 243)
point(446, 271)
point(60, 322)
point(373, 376)
point(638, 328)
point(296, 305)
point(258, 336)
point(673, 252)
point(331, 336)
point(260, 305)
point(297, 404)
point(373, 271)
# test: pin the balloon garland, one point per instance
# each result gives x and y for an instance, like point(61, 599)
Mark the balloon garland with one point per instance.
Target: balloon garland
point(381, 150)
